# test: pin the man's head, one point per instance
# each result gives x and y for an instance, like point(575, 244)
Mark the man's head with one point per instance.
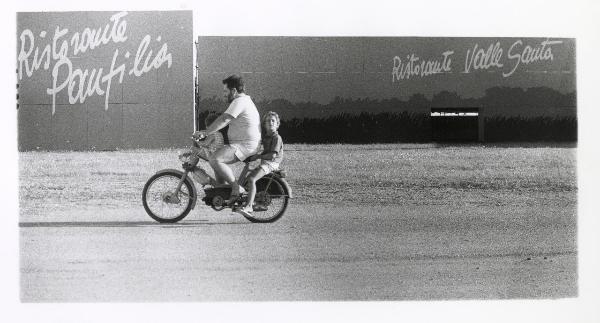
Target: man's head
point(231, 86)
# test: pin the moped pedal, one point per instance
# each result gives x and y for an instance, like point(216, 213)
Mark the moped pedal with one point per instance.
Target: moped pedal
point(232, 201)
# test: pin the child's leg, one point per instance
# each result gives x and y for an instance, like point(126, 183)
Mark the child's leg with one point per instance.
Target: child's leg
point(252, 178)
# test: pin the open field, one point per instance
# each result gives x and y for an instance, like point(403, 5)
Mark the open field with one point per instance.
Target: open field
point(372, 222)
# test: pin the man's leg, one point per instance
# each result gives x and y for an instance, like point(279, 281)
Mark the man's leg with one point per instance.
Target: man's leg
point(223, 173)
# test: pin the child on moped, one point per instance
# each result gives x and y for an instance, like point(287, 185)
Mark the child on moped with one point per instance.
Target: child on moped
point(271, 157)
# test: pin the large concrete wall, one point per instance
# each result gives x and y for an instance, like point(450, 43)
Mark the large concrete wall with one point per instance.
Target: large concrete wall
point(131, 86)
point(318, 69)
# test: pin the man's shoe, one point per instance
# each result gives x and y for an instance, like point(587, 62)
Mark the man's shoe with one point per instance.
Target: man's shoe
point(241, 192)
point(246, 211)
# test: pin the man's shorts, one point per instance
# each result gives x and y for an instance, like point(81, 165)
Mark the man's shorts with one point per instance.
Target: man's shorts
point(268, 166)
point(245, 150)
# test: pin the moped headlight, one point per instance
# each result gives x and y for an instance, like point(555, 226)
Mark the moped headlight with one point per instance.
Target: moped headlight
point(185, 156)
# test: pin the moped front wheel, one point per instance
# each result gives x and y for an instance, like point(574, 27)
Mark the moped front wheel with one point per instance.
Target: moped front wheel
point(160, 200)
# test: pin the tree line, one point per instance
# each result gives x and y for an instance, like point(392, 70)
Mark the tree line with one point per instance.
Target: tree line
point(366, 120)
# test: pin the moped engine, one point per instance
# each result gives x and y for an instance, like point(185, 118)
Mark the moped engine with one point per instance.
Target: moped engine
point(216, 197)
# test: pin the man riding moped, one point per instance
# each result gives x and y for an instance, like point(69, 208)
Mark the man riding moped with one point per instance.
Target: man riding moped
point(170, 194)
point(243, 133)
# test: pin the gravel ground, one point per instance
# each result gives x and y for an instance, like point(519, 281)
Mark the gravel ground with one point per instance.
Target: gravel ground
point(313, 253)
point(384, 222)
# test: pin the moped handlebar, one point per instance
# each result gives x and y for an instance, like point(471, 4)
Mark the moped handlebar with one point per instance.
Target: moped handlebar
point(198, 137)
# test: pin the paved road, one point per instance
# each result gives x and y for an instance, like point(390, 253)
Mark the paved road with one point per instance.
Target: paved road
point(314, 252)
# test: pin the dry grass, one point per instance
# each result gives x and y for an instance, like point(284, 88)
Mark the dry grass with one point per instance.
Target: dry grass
point(395, 174)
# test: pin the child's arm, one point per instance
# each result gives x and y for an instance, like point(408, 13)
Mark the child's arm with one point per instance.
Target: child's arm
point(265, 156)
point(271, 152)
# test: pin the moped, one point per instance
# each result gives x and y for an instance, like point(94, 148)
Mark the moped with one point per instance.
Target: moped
point(170, 194)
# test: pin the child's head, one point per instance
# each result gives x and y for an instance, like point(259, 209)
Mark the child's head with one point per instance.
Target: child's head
point(271, 121)
point(210, 118)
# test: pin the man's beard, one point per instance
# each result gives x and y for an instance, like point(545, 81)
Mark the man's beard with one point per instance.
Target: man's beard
point(230, 97)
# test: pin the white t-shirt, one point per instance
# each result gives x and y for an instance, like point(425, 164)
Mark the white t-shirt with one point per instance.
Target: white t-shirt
point(245, 127)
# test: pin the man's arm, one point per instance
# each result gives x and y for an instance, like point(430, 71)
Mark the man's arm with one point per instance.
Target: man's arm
point(221, 122)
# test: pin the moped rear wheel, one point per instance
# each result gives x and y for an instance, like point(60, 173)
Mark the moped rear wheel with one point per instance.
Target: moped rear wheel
point(159, 199)
point(270, 202)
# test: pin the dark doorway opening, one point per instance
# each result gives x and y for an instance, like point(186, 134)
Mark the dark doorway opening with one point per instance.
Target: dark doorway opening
point(456, 124)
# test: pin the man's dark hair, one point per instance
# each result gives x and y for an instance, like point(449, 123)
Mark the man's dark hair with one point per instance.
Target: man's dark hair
point(234, 82)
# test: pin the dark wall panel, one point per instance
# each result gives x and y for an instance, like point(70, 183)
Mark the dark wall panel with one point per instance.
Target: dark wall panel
point(69, 127)
point(34, 126)
point(162, 94)
point(142, 125)
point(319, 69)
point(181, 114)
point(105, 127)
point(142, 90)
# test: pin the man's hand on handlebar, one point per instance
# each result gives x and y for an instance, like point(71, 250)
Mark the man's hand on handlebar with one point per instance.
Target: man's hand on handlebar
point(199, 135)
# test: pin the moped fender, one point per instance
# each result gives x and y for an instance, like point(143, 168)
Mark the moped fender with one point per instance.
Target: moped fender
point(194, 192)
point(286, 186)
